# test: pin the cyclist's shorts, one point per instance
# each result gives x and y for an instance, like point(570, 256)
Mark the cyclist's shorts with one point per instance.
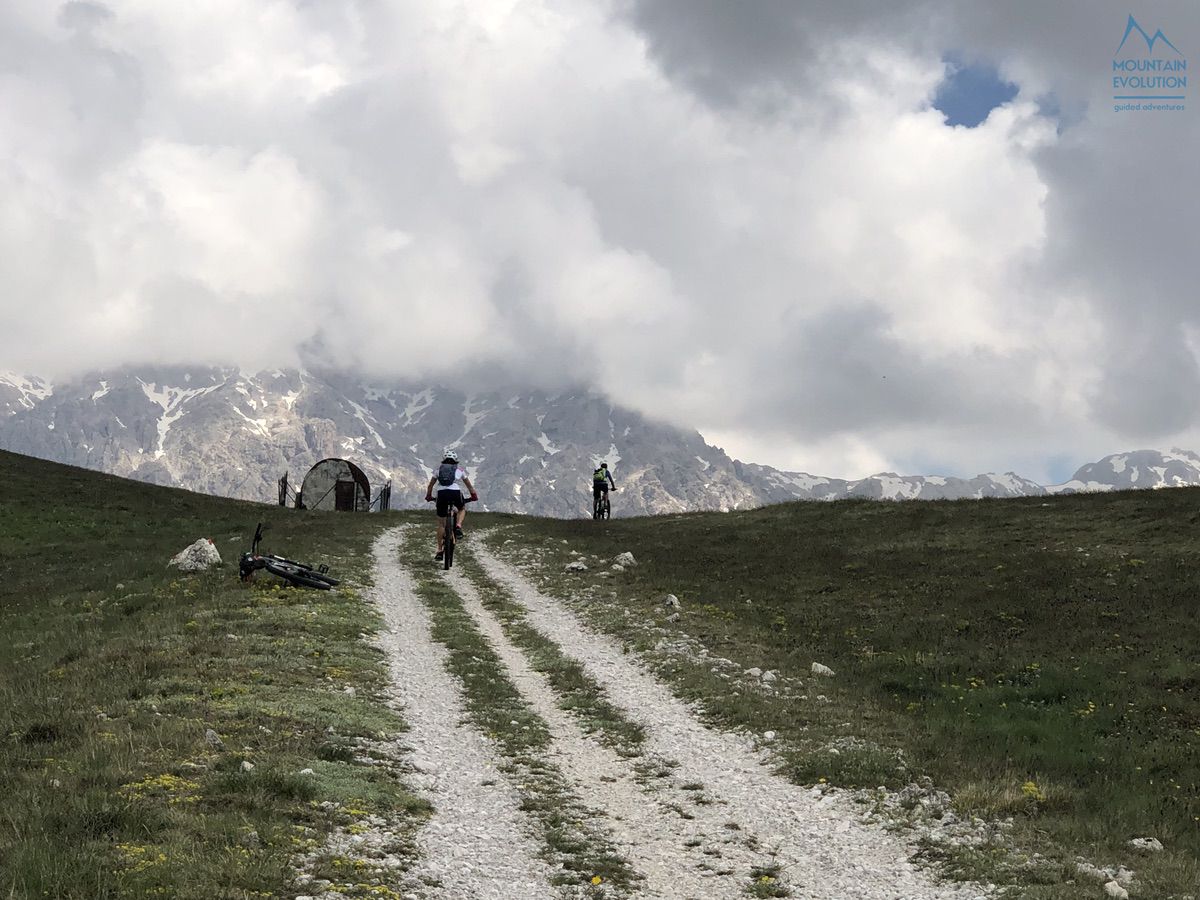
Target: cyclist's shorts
point(448, 498)
point(599, 487)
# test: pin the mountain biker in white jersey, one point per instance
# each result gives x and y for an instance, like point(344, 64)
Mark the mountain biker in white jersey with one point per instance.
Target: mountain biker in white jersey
point(450, 478)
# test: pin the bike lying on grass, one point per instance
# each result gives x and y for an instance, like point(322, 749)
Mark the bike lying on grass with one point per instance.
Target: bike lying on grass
point(296, 573)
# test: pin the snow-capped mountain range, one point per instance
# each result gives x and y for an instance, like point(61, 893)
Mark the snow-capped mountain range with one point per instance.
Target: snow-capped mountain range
point(234, 433)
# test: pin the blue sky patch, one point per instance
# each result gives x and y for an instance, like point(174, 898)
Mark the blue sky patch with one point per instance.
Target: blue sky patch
point(969, 92)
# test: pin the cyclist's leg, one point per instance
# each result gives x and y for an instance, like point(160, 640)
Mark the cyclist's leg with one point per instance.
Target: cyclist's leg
point(441, 521)
point(461, 503)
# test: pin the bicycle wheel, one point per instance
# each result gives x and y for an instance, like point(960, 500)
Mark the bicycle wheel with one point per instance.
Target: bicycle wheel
point(607, 511)
point(295, 575)
point(448, 543)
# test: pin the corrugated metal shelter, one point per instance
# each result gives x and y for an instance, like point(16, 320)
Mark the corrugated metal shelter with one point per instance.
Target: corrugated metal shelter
point(335, 484)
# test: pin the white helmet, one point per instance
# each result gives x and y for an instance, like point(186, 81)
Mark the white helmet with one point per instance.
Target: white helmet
point(450, 453)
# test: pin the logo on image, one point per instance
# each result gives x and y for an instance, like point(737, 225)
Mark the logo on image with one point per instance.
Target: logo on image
point(1149, 73)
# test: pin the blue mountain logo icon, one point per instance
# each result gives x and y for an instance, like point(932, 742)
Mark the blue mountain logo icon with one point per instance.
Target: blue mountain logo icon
point(1133, 26)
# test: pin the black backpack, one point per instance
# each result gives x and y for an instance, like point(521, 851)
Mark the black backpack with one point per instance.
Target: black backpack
point(446, 473)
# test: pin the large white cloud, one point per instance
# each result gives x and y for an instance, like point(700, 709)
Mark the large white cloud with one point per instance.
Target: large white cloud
point(746, 218)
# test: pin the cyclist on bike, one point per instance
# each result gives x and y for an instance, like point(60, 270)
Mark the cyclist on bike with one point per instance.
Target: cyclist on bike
point(601, 479)
point(450, 479)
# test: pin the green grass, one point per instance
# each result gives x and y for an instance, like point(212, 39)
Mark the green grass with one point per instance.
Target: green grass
point(994, 643)
point(114, 667)
point(571, 839)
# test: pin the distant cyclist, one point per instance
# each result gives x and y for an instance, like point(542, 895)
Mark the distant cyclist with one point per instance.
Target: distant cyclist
point(450, 479)
point(601, 480)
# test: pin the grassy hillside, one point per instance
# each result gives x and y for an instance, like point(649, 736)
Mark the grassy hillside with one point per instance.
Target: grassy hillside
point(1037, 657)
point(1040, 658)
point(113, 667)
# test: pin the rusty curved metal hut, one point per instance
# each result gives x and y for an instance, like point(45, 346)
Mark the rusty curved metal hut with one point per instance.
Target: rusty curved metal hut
point(335, 484)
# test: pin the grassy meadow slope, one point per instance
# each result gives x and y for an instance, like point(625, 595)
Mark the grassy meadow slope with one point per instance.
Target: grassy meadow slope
point(113, 667)
point(1039, 658)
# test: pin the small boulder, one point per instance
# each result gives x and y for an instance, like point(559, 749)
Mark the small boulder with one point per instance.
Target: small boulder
point(769, 676)
point(617, 567)
point(754, 672)
point(196, 558)
point(671, 602)
point(213, 740)
point(1146, 845)
point(625, 559)
point(823, 671)
point(673, 617)
point(247, 765)
point(1115, 890)
point(307, 772)
point(768, 735)
point(577, 566)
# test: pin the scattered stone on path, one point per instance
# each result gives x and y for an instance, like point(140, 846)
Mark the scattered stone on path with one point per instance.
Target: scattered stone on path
point(673, 617)
point(577, 566)
point(307, 772)
point(625, 559)
point(768, 735)
point(213, 739)
point(822, 670)
point(1146, 845)
point(196, 557)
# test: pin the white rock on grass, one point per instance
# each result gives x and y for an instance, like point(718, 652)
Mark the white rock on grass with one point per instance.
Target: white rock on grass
point(617, 567)
point(1146, 845)
point(197, 557)
point(1115, 890)
point(822, 670)
point(671, 602)
point(247, 765)
point(577, 566)
point(625, 559)
point(754, 672)
point(768, 676)
point(213, 739)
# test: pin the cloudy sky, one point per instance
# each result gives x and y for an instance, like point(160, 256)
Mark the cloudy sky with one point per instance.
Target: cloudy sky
point(800, 227)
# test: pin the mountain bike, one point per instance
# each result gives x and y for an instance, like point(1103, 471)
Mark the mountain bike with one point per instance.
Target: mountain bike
point(601, 509)
point(448, 538)
point(297, 573)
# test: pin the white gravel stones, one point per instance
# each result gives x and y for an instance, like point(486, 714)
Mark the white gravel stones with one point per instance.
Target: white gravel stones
point(476, 844)
point(822, 670)
point(625, 559)
point(818, 838)
point(1146, 845)
point(668, 850)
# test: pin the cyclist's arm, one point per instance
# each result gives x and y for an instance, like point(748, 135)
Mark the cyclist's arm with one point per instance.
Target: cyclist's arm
point(610, 480)
point(429, 488)
point(470, 487)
